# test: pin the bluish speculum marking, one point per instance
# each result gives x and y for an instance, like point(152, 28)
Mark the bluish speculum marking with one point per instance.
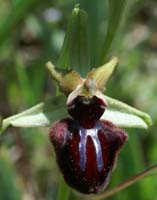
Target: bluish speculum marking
point(84, 134)
point(99, 158)
point(82, 149)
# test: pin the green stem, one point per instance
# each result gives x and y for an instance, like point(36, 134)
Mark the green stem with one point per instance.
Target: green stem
point(63, 190)
point(126, 183)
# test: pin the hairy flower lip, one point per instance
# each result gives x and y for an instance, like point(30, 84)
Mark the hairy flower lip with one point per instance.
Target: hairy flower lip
point(86, 157)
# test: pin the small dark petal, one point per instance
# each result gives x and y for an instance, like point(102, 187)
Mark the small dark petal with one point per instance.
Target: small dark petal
point(86, 157)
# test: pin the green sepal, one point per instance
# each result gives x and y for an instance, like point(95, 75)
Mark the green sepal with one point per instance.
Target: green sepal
point(126, 116)
point(44, 114)
point(39, 115)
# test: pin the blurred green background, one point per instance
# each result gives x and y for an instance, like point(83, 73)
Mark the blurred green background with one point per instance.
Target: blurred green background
point(31, 33)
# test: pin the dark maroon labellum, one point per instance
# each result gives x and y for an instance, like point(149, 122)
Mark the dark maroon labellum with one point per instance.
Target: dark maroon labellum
point(86, 147)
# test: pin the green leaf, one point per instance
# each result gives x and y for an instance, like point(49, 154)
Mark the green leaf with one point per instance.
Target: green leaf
point(79, 49)
point(96, 11)
point(124, 115)
point(74, 52)
point(43, 114)
point(116, 9)
point(63, 61)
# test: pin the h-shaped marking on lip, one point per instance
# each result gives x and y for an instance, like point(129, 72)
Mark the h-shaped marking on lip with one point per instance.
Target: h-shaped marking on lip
point(84, 133)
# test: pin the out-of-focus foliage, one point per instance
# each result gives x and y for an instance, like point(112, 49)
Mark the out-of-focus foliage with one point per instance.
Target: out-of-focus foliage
point(31, 33)
point(8, 180)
